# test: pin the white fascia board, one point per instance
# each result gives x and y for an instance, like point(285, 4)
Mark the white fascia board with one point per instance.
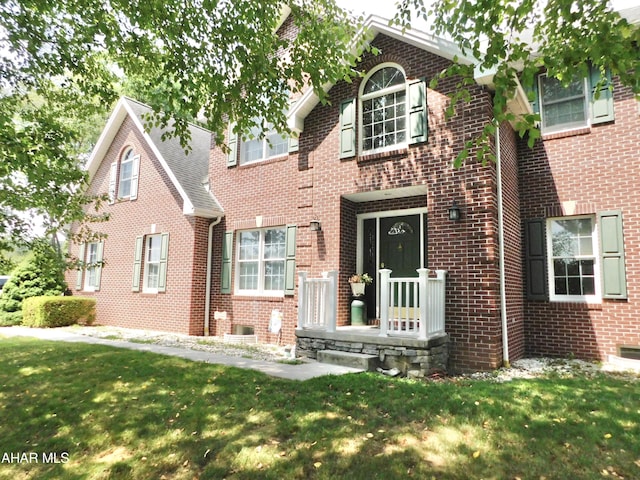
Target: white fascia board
point(106, 137)
point(187, 203)
point(203, 213)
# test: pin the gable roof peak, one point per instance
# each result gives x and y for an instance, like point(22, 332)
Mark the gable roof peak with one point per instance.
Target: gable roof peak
point(185, 169)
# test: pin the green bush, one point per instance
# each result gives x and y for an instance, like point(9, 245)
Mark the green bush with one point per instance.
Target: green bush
point(8, 319)
point(43, 274)
point(58, 311)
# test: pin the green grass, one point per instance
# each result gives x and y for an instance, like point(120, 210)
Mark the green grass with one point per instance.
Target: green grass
point(121, 414)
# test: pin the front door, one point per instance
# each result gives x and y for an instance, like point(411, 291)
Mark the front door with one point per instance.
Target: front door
point(400, 245)
point(397, 243)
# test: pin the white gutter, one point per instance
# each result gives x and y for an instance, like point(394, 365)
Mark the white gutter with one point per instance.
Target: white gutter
point(207, 300)
point(503, 295)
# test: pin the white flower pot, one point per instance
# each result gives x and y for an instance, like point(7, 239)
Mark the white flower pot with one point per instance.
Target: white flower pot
point(357, 289)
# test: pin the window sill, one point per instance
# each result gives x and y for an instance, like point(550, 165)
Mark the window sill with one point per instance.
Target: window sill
point(259, 296)
point(569, 304)
point(397, 152)
point(266, 161)
point(573, 132)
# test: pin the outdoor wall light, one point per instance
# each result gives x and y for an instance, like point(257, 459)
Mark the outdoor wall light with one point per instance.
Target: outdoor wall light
point(315, 226)
point(454, 212)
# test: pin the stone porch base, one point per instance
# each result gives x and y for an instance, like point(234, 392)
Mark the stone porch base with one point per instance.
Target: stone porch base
point(409, 355)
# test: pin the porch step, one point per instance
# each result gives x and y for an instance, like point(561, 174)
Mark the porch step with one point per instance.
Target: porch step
point(348, 359)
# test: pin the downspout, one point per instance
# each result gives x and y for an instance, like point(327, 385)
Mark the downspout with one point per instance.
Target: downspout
point(503, 295)
point(207, 300)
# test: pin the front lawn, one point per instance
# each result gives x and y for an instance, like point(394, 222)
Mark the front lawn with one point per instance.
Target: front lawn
point(108, 413)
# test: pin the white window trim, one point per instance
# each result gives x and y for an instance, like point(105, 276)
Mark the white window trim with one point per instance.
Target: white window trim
point(126, 158)
point(595, 298)
point(146, 263)
point(260, 291)
point(564, 127)
point(86, 286)
point(363, 97)
point(265, 149)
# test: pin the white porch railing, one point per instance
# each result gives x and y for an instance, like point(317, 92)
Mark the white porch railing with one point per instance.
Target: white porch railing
point(317, 301)
point(409, 306)
point(412, 306)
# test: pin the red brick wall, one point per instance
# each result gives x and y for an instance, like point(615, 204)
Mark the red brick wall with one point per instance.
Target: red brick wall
point(598, 170)
point(181, 307)
point(512, 242)
point(310, 184)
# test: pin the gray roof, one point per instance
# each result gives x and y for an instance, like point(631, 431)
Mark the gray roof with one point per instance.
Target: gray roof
point(190, 170)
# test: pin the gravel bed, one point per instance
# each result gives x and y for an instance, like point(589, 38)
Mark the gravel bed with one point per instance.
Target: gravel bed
point(258, 351)
point(523, 368)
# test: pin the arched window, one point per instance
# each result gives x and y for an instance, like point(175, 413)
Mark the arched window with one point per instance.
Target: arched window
point(384, 109)
point(123, 179)
point(391, 112)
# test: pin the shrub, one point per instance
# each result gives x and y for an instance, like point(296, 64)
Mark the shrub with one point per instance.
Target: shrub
point(58, 311)
point(8, 319)
point(42, 274)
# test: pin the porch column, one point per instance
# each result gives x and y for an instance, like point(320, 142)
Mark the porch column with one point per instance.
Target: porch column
point(423, 279)
point(302, 290)
point(332, 300)
point(385, 274)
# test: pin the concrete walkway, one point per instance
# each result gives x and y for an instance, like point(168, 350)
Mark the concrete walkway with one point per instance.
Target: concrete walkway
point(304, 371)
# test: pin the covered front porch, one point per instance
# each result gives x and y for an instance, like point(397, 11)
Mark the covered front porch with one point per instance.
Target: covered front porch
point(410, 335)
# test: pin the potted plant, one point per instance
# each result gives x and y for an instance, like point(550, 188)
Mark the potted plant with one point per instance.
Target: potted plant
point(358, 282)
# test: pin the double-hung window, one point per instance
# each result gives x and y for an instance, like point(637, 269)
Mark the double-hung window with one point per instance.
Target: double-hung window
point(123, 177)
point(261, 261)
point(583, 102)
point(91, 273)
point(573, 258)
point(563, 108)
point(90, 257)
point(150, 263)
point(263, 145)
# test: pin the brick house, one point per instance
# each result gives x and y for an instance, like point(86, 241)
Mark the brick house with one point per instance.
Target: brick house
point(535, 254)
point(155, 250)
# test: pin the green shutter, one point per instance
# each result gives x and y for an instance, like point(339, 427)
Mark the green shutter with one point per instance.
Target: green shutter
point(601, 107)
point(614, 282)
point(417, 111)
point(137, 264)
point(113, 179)
point(99, 254)
point(290, 261)
point(135, 173)
point(536, 259)
point(227, 251)
point(294, 143)
point(534, 95)
point(164, 255)
point(80, 274)
point(232, 156)
point(348, 128)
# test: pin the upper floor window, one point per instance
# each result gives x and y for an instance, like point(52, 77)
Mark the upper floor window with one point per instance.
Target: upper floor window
point(384, 109)
point(263, 142)
point(579, 104)
point(263, 145)
point(391, 112)
point(123, 178)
